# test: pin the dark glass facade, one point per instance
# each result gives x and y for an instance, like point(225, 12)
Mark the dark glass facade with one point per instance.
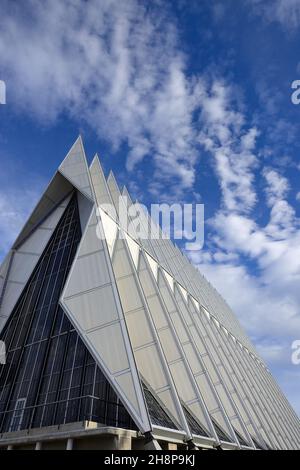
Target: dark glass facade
point(257, 445)
point(157, 414)
point(193, 424)
point(220, 432)
point(241, 439)
point(50, 378)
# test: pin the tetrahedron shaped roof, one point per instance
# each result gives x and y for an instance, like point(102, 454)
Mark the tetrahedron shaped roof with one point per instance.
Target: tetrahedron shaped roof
point(165, 340)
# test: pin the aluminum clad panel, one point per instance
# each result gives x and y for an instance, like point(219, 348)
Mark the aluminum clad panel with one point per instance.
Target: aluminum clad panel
point(139, 328)
point(170, 347)
point(99, 182)
point(134, 249)
point(36, 243)
point(193, 359)
point(94, 308)
point(89, 272)
point(22, 266)
point(109, 344)
point(205, 388)
point(110, 230)
point(75, 169)
point(156, 312)
point(153, 265)
point(183, 383)
point(149, 364)
point(127, 285)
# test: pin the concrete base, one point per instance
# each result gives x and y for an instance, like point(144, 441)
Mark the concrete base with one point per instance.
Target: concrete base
point(172, 446)
point(88, 435)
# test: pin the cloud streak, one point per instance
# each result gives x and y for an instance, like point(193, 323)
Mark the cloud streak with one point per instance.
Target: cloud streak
point(284, 12)
point(115, 65)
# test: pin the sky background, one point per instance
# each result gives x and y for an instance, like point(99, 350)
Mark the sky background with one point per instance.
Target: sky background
point(186, 101)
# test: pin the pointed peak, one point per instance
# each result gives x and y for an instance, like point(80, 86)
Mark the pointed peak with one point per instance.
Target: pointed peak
point(111, 176)
point(102, 193)
point(77, 150)
point(125, 192)
point(112, 182)
point(96, 166)
point(75, 168)
point(95, 159)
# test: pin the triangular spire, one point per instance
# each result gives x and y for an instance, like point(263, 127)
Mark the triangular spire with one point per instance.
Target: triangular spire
point(114, 190)
point(99, 182)
point(92, 304)
point(125, 193)
point(74, 167)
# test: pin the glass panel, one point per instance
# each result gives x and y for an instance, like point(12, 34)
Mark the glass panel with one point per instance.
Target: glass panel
point(220, 432)
point(157, 413)
point(194, 426)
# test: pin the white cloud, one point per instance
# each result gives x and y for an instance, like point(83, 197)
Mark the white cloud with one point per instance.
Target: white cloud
point(283, 222)
point(262, 310)
point(19, 192)
point(284, 12)
point(277, 186)
point(225, 136)
point(115, 65)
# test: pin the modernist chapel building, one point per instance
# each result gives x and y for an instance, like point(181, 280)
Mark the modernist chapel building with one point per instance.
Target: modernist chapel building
point(116, 342)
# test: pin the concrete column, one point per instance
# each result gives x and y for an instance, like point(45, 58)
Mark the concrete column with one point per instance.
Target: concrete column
point(10, 447)
point(172, 446)
point(38, 446)
point(124, 443)
point(70, 443)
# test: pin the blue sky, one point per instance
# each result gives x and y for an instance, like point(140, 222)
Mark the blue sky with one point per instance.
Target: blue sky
point(186, 101)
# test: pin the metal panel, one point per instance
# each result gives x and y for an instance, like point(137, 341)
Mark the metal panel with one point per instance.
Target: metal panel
point(109, 343)
point(138, 326)
point(153, 265)
point(173, 349)
point(173, 261)
point(185, 337)
point(75, 169)
point(22, 266)
point(110, 229)
point(89, 272)
point(132, 301)
point(99, 183)
point(98, 306)
point(147, 348)
point(133, 389)
point(155, 308)
point(134, 249)
point(55, 194)
point(85, 207)
point(39, 238)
